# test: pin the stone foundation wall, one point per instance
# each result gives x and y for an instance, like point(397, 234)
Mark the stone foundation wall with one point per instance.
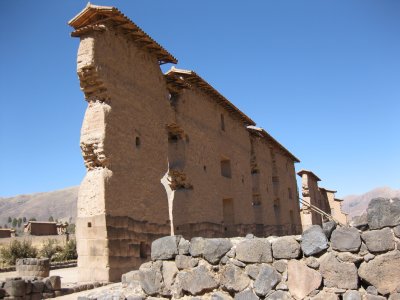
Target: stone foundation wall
point(39, 267)
point(323, 263)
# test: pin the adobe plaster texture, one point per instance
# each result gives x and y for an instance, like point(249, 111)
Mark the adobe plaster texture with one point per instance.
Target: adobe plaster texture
point(165, 153)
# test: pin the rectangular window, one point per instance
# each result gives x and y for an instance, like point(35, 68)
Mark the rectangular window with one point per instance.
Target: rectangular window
point(222, 122)
point(226, 168)
point(290, 193)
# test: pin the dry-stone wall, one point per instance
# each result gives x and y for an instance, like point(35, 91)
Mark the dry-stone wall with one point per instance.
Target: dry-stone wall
point(321, 264)
point(33, 267)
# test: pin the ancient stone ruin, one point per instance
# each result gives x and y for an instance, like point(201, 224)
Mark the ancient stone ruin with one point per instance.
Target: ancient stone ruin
point(321, 264)
point(319, 204)
point(166, 154)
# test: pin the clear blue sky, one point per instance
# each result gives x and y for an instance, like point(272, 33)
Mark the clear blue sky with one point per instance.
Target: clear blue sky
point(323, 77)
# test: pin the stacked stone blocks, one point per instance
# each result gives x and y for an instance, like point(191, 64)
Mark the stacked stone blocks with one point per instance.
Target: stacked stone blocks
point(339, 263)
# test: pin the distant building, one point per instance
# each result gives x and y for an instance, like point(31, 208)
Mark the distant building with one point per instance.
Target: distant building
point(319, 198)
point(45, 228)
point(7, 232)
point(335, 206)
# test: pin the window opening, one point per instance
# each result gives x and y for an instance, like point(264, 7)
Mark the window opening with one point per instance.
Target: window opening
point(226, 168)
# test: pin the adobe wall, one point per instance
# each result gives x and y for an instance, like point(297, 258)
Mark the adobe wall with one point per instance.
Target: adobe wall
point(121, 202)
point(273, 175)
point(198, 154)
point(206, 144)
point(154, 159)
point(5, 233)
point(43, 229)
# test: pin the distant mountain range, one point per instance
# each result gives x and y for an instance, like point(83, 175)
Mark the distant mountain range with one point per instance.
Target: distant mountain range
point(356, 205)
point(61, 204)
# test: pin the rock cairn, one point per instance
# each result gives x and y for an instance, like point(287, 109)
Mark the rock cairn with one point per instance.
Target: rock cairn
point(321, 264)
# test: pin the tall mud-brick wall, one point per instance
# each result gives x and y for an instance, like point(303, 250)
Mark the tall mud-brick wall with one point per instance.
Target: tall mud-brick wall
point(122, 206)
point(165, 154)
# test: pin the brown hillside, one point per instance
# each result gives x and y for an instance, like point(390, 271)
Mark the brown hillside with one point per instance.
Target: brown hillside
point(60, 204)
point(356, 205)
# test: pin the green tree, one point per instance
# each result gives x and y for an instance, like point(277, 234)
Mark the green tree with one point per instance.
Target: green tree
point(51, 219)
point(24, 219)
point(19, 222)
point(14, 222)
point(9, 220)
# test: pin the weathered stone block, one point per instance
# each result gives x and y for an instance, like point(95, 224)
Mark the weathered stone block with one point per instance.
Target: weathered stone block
point(379, 240)
point(185, 262)
point(266, 280)
point(280, 265)
point(211, 250)
point(325, 296)
point(285, 247)
point(151, 279)
point(252, 270)
point(197, 280)
point(279, 295)
point(373, 297)
point(55, 282)
point(312, 262)
point(184, 246)
point(216, 248)
point(346, 239)
point(394, 296)
point(234, 279)
point(127, 278)
point(246, 295)
point(196, 247)
point(360, 222)
point(220, 296)
point(169, 271)
point(15, 287)
point(313, 241)
point(39, 267)
point(302, 280)
point(383, 212)
point(37, 286)
point(165, 247)
point(328, 228)
point(352, 295)
point(338, 274)
point(254, 251)
point(381, 271)
point(396, 231)
point(349, 257)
